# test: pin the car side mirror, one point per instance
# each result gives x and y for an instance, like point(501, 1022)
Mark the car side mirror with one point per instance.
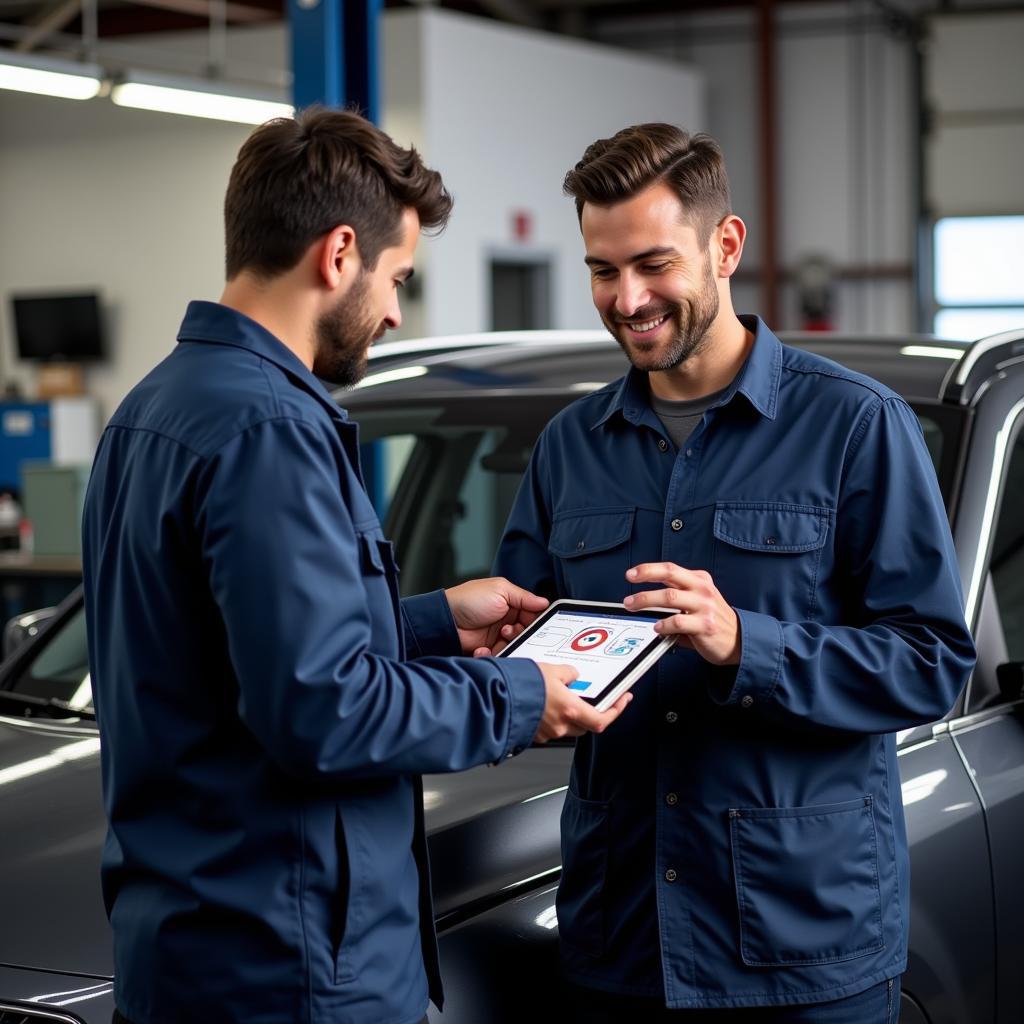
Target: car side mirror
point(22, 628)
point(1011, 680)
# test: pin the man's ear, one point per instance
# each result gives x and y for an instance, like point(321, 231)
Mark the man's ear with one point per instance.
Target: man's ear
point(339, 257)
point(731, 233)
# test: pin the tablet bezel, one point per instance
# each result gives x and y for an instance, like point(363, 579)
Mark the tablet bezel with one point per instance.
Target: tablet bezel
point(622, 679)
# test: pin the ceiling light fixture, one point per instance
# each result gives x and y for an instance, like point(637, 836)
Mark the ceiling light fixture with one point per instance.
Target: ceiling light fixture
point(47, 76)
point(196, 99)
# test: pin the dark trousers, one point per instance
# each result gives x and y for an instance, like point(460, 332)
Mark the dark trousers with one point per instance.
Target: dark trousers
point(880, 1004)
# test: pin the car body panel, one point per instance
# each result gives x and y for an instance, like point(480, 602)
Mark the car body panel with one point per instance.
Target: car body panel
point(62, 997)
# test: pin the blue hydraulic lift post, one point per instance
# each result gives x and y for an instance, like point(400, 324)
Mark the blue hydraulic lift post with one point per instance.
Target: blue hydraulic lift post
point(336, 62)
point(335, 53)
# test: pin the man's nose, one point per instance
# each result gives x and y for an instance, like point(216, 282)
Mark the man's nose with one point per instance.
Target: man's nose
point(630, 296)
point(393, 316)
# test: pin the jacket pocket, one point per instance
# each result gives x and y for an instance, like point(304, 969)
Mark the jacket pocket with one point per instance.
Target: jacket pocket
point(579, 904)
point(344, 968)
point(766, 556)
point(806, 883)
point(591, 550)
point(380, 580)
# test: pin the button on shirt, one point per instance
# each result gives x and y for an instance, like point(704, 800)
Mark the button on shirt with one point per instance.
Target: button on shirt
point(779, 872)
point(266, 703)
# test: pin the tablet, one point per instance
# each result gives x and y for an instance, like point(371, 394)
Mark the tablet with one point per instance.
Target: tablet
point(610, 646)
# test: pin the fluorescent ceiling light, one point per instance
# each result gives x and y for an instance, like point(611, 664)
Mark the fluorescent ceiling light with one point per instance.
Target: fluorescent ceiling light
point(48, 77)
point(175, 96)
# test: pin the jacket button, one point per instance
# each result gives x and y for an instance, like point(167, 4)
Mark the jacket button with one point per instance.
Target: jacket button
point(671, 717)
point(662, 445)
point(677, 524)
point(747, 701)
point(689, 452)
point(671, 799)
point(580, 545)
point(670, 875)
point(770, 540)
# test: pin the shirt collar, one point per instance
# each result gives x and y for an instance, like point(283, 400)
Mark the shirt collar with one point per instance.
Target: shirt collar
point(758, 380)
point(214, 323)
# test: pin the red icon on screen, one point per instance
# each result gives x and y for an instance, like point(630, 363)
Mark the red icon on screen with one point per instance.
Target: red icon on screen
point(589, 639)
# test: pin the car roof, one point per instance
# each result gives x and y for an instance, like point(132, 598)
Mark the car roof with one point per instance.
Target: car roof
point(526, 362)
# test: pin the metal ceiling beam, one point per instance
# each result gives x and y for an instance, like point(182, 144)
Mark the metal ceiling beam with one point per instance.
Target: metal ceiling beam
point(236, 12)
point(512, 10)
point(46, 22)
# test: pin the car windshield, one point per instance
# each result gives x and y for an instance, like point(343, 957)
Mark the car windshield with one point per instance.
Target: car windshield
point(60, 669)
point(443, 476)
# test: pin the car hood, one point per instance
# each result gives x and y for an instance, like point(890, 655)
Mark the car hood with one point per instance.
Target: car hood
point(54, 827)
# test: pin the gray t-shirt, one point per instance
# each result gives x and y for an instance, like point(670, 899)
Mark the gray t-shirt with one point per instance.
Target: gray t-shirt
point(680, 419)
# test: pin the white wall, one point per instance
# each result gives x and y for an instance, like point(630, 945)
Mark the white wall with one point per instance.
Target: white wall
point(93, 195)
point(505, 113)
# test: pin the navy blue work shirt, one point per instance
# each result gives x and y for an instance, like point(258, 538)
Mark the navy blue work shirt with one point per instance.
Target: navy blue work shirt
point(265, 701)
point(736, 838)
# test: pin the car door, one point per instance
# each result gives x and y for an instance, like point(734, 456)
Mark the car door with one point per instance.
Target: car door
point(989, 734)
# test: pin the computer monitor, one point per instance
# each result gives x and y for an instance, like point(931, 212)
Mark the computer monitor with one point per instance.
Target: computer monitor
point(58, 328)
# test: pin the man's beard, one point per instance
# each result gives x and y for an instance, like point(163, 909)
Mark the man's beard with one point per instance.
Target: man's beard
point(343, 337)
point(692, 320)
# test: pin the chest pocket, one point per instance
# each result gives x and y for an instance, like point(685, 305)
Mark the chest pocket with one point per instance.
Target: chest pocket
point(380, 578)
point(591, 551)
point(767, 555)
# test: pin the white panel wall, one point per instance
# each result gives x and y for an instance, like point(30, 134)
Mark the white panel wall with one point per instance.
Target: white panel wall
point(506, 112)
point(976, 89)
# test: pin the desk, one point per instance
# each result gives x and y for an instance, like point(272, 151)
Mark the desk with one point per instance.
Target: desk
point(28, 582)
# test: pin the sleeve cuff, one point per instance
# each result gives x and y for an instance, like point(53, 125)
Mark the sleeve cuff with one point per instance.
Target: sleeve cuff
point(526, 697)
point(429, 627)
point(754, 679)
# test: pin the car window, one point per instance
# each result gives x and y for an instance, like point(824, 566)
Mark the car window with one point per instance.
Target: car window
point(449, 476)
point(1007, 564)
point(60, 668)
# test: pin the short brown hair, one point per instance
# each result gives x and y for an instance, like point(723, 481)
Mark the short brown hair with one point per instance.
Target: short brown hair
point(298, 178)
point(636, 158)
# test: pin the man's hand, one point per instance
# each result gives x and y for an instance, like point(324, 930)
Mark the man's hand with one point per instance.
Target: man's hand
point(565, 712)
point(489, 613)
point(706, 622)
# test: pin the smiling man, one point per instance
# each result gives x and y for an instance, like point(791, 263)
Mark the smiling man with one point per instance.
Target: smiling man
point(265, 701)
point(735, 849)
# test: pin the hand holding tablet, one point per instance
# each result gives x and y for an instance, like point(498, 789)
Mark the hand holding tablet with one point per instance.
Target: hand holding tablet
point(610, 646)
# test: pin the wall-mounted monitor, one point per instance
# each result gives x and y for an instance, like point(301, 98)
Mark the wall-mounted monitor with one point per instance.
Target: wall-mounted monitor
point(58, 328)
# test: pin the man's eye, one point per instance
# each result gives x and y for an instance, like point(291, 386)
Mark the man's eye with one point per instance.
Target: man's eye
point(399, 283)
point(654, 268)
point(602, 273)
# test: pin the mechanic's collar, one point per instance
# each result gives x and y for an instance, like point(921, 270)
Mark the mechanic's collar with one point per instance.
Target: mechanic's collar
point(222, 325)
point(758, 380)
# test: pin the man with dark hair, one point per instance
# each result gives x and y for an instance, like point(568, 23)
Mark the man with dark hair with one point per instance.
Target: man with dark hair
point(265, 701)
point(735, 849)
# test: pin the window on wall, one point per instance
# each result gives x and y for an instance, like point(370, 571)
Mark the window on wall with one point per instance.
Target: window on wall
point(979, 276)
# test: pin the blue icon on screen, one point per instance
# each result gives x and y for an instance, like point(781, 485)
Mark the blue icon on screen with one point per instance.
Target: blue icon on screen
point(579, 684)
point(624, 647)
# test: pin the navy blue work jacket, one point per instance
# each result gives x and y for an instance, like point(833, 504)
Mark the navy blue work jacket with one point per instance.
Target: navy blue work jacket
point(265, 701)
point(737, 837)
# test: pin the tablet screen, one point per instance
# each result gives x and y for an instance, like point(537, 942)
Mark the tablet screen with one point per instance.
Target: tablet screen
point(602, 646)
